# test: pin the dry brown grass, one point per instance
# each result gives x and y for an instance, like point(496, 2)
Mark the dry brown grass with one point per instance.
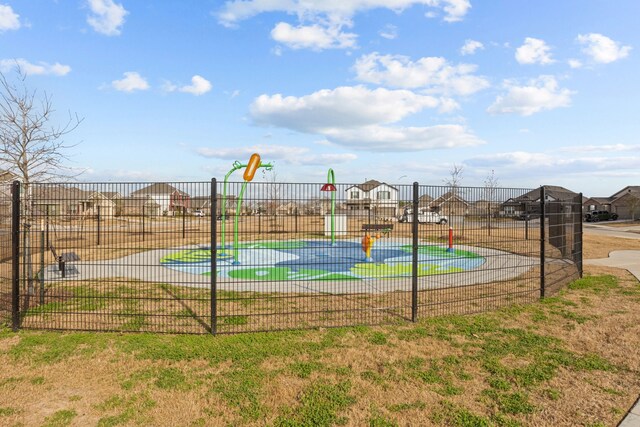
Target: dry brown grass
point(263, 379)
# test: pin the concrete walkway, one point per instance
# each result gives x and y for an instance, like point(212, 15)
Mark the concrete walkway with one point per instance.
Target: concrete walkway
point(630, 261)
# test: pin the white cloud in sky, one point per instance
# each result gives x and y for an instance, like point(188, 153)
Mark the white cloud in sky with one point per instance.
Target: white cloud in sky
point(455, 9)
point(9, 20)
point(286, 153)
point(106, 16)
point(389, 32)
point(235, 11)
point(533, 51)
point(602, 49)
point(523, 162)
point(41, 68)
point(470, 47)
point(314, 37)
point(434, 74)
point(574, 63)
point(321, 24)
point(398, 138)
point(358, 117)
point(199, 86)
point(131, 82)
point(543, 93)
point(602, 148)
point(343, 107)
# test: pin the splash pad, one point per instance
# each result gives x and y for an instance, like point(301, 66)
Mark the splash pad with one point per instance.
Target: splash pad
point(320, 260)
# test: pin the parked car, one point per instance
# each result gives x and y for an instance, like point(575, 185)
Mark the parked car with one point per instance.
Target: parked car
point(198, 212)
point(527, 216)
point(595, 216)
point(424, 217)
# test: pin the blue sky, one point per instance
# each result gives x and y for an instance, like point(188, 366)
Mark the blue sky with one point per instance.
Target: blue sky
point(542, 92)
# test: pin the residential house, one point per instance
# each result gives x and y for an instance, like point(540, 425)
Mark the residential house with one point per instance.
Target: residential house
point(450, 203)
point(170, 199)
point(529, 202)
point(6, 180)
point(289, 208)
point(626, 202)
point(483, 208)
point(106, 203)
point(203, 204)
point(57, 200)
point(597, 204)
point(140, 206)
point(424, 201)
point(372, 195)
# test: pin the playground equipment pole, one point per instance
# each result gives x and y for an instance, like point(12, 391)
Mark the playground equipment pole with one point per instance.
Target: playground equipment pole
point(331, 186)
point(223, 209)
point(252, 166)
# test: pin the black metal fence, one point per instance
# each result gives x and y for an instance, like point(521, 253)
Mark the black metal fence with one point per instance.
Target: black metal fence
point(138, 256)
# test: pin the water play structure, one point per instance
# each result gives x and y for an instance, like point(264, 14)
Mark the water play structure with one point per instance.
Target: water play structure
point(316, 260)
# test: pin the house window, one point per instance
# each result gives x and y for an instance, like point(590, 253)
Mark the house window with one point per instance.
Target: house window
point(355, 194)
point(384, 195)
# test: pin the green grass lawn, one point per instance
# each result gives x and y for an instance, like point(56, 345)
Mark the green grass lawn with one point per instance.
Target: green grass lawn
point(566, 360)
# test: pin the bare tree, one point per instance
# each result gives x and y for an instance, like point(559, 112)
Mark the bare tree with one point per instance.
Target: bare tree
point(633, 204)
point(491, 185)
point(31, 141)
point(453, 182)
point(455, 178)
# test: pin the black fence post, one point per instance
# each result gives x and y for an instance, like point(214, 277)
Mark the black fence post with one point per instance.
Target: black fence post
point(15, 255)
point(543, 212)
point(41, 275)
point(98, 226)
point(579, 236)
point(184, 219)
point(214, 264)
point(414, 255)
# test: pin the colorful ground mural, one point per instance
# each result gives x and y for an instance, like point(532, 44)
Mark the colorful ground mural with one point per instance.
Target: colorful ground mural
point(319, 260)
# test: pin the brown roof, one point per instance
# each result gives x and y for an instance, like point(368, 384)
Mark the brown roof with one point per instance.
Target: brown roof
point(370, 185)
point(55, 192)
point(158, 188)
point(7, 176)
point(555, 191)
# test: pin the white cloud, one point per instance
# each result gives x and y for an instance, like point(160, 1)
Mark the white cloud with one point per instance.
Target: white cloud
point(131, 82)
point(393, 139)
point(574, 63)
point(42, 68)
point(343, 107)
point(286, 153)
point(107, 17)
point(9, 20)
point(432, 73)
point(601, 48)
point(538, 95)
point(520, 161)
point(389, 32)
point(455, 9)
point(315, 37)
point(470, 47)
point(199, 86)
point(603, 148)
point(533, 51)
point(235, 11)
point(358, 117)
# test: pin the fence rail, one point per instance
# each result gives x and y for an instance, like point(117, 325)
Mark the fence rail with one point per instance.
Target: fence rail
point(212, 257)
